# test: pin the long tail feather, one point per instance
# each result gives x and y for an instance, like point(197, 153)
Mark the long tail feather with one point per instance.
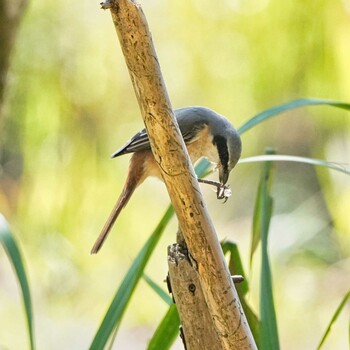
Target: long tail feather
point(121, 203)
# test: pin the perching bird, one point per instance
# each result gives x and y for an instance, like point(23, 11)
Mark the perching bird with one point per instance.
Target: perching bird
point(206, 134)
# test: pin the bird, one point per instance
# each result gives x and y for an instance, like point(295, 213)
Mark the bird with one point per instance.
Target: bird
point(206, 134)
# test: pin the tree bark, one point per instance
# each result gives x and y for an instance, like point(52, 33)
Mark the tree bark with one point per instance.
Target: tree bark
point(196, 321)
point(170, 153)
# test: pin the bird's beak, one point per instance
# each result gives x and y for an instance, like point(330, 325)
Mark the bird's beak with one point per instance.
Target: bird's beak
point(223, 175)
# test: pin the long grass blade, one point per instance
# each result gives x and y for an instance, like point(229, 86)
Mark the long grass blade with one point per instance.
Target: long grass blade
point(264, 204)
point(334, 318)
point(158, 289)
point(122, 297)
point(235, 265)
point(12, 250)
point(271, 112)
point(168, 328)
point(167, 331)
point(256, 226)
point(287, 158)
point(258, 212)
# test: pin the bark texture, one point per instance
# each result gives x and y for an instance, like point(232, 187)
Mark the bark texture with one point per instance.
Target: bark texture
point(197, 325)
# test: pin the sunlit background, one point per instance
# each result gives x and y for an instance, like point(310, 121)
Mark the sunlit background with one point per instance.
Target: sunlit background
point(70, 104)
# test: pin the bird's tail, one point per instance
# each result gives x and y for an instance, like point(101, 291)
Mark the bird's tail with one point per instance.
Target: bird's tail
point(123, 199)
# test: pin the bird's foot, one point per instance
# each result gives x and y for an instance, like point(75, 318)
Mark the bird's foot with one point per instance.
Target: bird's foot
point(222, 191)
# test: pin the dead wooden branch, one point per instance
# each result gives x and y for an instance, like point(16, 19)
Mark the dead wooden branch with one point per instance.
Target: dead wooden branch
point(198, 327)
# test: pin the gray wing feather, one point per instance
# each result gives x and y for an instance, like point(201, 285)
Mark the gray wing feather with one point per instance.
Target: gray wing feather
point(189, 129)
point(138, 142)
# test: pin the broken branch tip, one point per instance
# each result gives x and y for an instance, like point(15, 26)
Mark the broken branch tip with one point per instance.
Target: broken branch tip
point(105, 5)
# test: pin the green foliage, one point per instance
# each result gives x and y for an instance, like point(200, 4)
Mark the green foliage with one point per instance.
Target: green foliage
point(159, 290)
point(271, 112)
point(305, 160)
point(167, 330)
point(235, 265)
point(11, 247)
point(262, 216)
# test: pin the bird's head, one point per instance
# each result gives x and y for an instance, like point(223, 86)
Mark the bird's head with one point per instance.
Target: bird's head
point(229, 148)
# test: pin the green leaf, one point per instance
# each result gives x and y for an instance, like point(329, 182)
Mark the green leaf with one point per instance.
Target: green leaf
point(334, 318)
point(159, 290)
point(12, 250)
point(235, 265)
point(256, 229)
point(236, 268)
point(203, 167)
point(271, 112)
point(120, 301)
point(262, 217)
point(286, 158)
point(258, 212)
point(167, 331)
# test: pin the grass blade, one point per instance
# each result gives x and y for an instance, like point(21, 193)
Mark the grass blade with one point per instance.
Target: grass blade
point(12, 250)
point(271, 112)
point(159, 290)
point(286, 158)
point(167, 331)
point(168, 328)
point(263, 212)
point(235, 265)
point(334, 318)
point(121, 299)
point(258, 211)
point(203, 168)
point(256, 226)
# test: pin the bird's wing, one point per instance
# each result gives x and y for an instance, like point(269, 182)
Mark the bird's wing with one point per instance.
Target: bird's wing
point(191, 133)
point(138, 142)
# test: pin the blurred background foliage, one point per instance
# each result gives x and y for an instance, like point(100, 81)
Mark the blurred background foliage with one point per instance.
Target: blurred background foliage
point(69, 104)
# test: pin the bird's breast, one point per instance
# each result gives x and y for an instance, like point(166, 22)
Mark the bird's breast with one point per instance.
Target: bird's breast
point(203, 146)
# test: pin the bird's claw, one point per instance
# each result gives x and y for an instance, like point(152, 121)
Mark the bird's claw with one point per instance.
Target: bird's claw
point(222, 191)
